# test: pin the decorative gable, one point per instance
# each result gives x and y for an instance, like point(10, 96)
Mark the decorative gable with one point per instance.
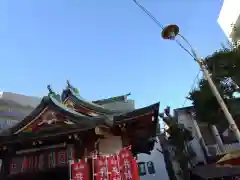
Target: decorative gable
point(80, 109)
point(47, 119)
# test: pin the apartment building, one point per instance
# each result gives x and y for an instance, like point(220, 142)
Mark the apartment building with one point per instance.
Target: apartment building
point(209, 140)
point(229, 19)
point(14, 107)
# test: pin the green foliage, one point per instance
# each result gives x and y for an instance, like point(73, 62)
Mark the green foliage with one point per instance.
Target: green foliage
point(179, 136)
point(224, 65)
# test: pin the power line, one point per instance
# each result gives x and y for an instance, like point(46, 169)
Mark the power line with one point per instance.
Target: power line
point(162, 27)
point(192, 86)
point(149, 14)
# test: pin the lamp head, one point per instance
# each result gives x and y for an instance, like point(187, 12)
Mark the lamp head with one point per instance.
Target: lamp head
point(170, 32)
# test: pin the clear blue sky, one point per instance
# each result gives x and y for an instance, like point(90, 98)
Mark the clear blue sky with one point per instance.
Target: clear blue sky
point(104, 47)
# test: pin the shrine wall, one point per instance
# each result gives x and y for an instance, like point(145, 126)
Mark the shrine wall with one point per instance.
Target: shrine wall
point(110, 145)
point(151, 167)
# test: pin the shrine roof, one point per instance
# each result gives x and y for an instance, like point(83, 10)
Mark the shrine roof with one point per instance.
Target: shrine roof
point(80, 122)
point(73, 93)
point(112, 99)
point(53, 101)
point(137, 113)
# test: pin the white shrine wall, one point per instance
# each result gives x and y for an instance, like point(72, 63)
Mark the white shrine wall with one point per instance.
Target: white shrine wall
point(110, 145)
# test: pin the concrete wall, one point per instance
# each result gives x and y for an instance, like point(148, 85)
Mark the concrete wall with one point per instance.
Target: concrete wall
point(157, 159)
point(185, 119)
point(22, 100)
point(229, 15)
point(110, 145)
point(14, 107)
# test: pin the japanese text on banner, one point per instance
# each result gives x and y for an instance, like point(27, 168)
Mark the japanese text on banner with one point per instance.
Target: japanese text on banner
point(125, 162)
point(80, 170)
point(113, 168)
point(100, 168)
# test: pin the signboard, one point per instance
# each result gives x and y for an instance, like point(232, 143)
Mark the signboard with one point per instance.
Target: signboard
point(41, 160)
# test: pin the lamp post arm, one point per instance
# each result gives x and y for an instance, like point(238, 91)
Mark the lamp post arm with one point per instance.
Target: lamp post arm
point(192, 49)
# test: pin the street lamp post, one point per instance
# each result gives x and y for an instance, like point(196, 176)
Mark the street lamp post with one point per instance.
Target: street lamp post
point(170, 32)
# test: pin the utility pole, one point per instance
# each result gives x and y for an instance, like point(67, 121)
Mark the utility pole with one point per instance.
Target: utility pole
point(170, 32)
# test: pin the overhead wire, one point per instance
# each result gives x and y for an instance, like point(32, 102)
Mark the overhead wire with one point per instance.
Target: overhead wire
point(162, 27)
point(195, 81)
point(192, 53)
point(149, 14)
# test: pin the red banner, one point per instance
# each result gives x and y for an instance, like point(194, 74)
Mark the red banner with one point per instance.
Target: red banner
point(80, 170)
point(113, 168)
point(127, 164)
point(100, 169)
point(135, 170)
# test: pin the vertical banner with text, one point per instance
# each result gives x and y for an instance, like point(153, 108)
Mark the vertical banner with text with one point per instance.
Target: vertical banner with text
point(80, 170)
point(113, 168)
point(128, 165)
point(100, 168)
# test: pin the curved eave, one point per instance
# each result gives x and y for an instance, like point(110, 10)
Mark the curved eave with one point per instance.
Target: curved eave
point(31, 116)
point(152, 109)
point(77, 117)
point(112, 99)
point(53, 104)
point(89, 105)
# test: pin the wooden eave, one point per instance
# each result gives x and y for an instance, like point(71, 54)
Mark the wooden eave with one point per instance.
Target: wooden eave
point(51, 103)
point(138, 113)
point(42, 135)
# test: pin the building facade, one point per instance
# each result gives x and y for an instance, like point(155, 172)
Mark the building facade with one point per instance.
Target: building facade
point(66, 127)
point(209, 140)
point(14, 107)
point(152, 167)
point(229, 19)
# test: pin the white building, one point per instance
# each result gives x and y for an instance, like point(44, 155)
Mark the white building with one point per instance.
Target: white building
point(207, 138)
point(14, 107)
point(229, 19)
point(152, 167)
point(184, 117)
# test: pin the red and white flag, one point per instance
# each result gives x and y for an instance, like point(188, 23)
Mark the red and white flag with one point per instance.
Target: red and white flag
point(128, 165)
point(80, 170)
point(100, 168)
point(113, 168)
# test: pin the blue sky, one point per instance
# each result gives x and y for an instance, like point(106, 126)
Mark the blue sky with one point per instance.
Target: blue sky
point(105, 48)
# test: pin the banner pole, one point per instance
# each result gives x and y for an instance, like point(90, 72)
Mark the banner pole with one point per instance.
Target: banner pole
point(93, 157)
point(70, 162)
point(106, 165)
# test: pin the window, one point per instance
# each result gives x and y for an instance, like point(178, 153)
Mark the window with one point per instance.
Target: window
point(150, 167)
point(142, 169)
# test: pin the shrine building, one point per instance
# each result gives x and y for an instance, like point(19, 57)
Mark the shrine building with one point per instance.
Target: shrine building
point(67, 127)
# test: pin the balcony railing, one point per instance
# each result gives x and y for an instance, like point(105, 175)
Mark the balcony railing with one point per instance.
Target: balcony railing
point(214, 150)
